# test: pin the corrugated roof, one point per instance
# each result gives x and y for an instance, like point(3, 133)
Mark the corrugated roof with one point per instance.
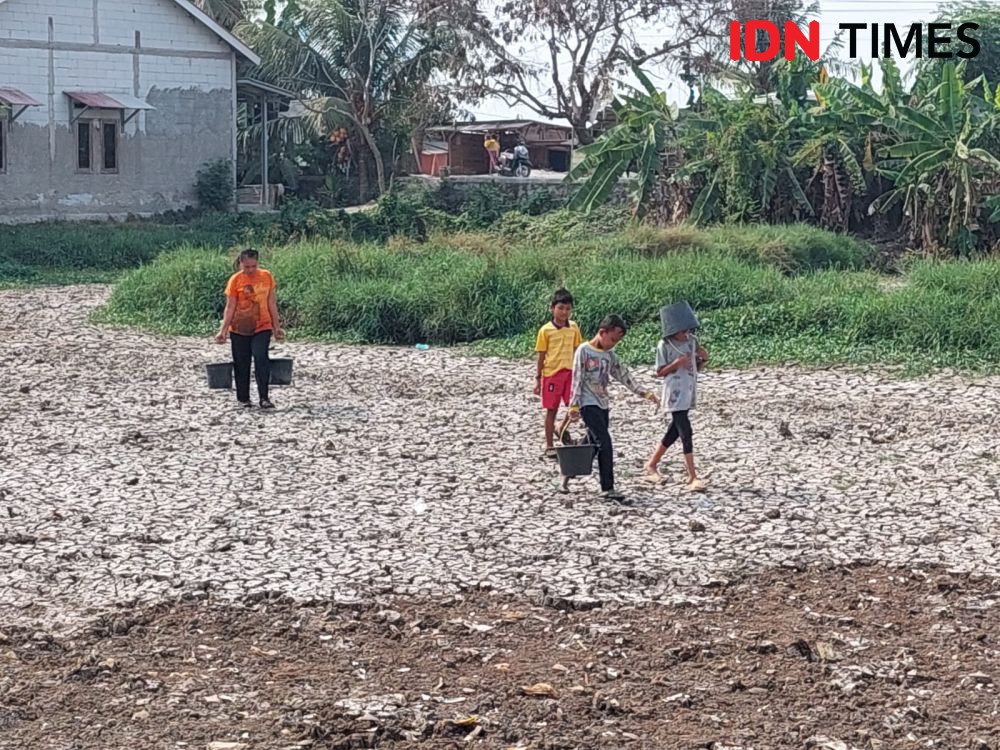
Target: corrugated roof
point(103, 100)
point(17, 98)
point(488, 126)
point(261, 86)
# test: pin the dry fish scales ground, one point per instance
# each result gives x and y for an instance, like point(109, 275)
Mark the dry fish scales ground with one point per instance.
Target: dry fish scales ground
point(389, 471)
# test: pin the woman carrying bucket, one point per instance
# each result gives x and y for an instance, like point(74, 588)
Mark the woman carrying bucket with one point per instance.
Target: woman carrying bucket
point(250, 319)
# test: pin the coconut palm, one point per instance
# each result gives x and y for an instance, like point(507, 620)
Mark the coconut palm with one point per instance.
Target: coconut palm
point(229, 12)
point(356, 61)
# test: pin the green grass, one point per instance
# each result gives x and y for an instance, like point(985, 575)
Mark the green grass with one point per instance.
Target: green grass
point(57, 277)
point(108, 246)
point(764, 295)
point(463, 288)
point(791, 294)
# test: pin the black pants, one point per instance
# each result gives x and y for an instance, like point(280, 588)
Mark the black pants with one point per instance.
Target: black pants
point(245, 347)
point(598, 421)
point(680, 427)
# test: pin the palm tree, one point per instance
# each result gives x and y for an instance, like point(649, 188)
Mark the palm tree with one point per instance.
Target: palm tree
point(353, 61)
point(228, 12)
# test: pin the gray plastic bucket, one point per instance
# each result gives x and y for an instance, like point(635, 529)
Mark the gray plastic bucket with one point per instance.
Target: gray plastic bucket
point(678, 317)
point(575, 460)
point(281, 371)
point(220, 375)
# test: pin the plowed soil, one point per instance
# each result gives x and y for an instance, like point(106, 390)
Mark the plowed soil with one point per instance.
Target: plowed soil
point(832, 659)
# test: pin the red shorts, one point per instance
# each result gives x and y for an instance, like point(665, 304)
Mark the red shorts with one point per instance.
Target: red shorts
point(556, 388)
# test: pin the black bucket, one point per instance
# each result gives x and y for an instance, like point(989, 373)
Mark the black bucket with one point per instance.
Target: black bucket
point(220, 375)
point(281, 371)
point(576, 460)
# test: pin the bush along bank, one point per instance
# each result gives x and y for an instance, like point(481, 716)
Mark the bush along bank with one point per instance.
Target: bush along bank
point(764, 295)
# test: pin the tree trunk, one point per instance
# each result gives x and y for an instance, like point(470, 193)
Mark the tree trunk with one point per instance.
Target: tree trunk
point(372, 146)
point(584, 135)
point(364, 176)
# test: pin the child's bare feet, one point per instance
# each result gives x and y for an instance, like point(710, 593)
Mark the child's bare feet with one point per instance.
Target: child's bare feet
point(652, 475)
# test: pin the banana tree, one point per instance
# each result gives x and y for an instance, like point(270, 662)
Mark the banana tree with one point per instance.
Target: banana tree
point(647, 126)
point(741, 157)
point(941, 162)
point(845, 132)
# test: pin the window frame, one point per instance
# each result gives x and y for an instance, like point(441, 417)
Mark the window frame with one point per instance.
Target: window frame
point(4, 141)
point(101, 146)
point(96, 152)
point(89, 124)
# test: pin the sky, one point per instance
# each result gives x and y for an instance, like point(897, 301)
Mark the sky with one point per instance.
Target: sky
point(832, 12)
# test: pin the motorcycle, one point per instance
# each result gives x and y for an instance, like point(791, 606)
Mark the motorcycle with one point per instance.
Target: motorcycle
point(514, 166)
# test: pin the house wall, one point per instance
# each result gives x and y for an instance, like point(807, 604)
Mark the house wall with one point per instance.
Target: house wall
point(180, 67)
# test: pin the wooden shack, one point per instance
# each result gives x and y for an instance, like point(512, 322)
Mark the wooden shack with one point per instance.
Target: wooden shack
point(459, 146)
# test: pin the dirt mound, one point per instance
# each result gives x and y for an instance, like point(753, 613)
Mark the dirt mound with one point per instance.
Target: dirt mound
point(862, 658)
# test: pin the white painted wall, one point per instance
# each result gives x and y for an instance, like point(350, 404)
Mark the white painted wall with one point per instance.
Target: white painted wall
point(184, 70)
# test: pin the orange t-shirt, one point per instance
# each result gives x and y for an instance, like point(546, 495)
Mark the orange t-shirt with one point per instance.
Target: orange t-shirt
point(250, 292)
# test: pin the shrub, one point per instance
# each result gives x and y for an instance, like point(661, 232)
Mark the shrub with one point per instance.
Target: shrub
point(214, 185)
point(180, 292)
point(484, 206)
point(537, 202)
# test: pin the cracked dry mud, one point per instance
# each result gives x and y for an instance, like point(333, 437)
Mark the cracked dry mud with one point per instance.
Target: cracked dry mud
point(415, 477)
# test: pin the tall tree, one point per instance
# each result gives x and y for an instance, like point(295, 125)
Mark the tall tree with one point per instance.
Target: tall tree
point(356, 62)
point(587, 46)
point(987, 62)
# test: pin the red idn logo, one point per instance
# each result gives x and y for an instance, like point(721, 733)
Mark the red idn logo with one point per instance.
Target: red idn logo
point(794, 37)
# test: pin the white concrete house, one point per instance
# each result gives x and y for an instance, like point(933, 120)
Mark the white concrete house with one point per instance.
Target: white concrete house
point(110, 107)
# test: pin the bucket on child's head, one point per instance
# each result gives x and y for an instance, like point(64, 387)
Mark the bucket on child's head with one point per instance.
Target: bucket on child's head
point(281, 371)
point(575, 460)
point(677, 317)
point(220, 375)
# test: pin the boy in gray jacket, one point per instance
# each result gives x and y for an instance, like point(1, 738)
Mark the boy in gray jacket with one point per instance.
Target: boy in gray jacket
point(594, 365)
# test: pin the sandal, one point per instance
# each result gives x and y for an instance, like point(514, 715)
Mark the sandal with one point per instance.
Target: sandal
point(266, 404)
point(697, 486)
point(653, 477)
point(551, 453)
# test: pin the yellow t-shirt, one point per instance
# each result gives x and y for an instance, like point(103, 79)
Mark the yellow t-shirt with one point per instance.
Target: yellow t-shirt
point(559, 345)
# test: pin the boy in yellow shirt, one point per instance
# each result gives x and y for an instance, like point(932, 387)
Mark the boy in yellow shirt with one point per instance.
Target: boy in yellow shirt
point(556, 344)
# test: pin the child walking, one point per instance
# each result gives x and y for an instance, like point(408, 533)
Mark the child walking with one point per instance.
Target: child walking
point(556, 343)
point(594, 365)
point(679, 357)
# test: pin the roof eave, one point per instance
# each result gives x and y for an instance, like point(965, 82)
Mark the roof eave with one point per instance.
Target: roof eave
point(227, 36)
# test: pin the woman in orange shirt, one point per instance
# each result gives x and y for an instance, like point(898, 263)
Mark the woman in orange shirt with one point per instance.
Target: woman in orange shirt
point(250, 319)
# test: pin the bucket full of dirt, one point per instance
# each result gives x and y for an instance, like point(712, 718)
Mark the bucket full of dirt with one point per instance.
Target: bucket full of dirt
point(576, 460)
point(281, 371)
point(220, 375)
